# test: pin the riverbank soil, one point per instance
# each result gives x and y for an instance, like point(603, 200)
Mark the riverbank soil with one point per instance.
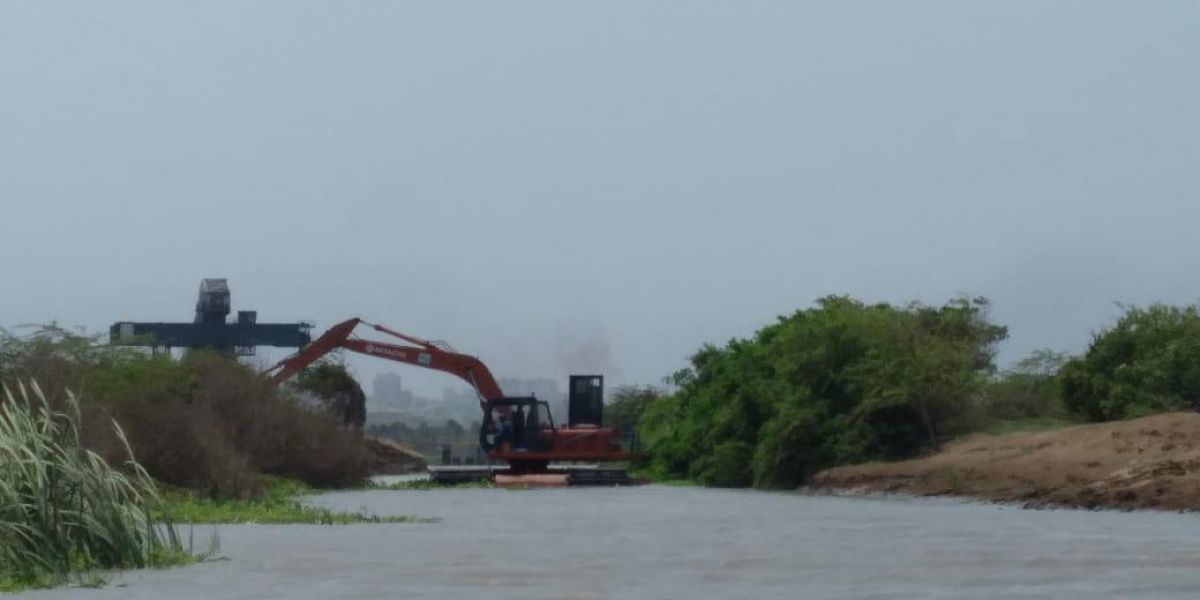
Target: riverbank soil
point(1152, 462)
point(392, 458)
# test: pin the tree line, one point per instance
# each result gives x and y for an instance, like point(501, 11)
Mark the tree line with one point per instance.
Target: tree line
point(845, 382)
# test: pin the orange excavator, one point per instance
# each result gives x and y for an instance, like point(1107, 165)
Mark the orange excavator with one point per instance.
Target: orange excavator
point(519, 431)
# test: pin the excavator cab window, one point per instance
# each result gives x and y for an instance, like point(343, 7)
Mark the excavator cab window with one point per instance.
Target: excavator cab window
point(532, 423)
point(517, 421)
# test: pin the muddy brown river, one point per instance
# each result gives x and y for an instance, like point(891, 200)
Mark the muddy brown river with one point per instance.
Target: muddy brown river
point(667, 542)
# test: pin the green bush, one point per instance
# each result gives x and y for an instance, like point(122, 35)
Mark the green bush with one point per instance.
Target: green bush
point(789, 447)
point(1148, 362)
point(728, 465)
point(1029, 392)
point(627, 404)
point(337, 390)
point(840, 382)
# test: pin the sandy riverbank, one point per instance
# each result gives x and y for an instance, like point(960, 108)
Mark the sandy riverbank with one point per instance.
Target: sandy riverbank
point(1152, 462)
point(388, 457)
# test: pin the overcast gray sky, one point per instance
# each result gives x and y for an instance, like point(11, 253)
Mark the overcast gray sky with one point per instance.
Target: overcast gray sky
point(541, 182)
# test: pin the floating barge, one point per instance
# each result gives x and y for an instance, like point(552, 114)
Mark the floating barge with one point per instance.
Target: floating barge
point(555, 476)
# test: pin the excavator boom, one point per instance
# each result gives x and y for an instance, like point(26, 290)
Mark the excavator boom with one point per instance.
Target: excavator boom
point(328, 342)
point(422, 354)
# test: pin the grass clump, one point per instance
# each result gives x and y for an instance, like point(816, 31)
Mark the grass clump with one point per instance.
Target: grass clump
point(278, 504)
point(1030, 425)
point(657, 478)
point(63, 509)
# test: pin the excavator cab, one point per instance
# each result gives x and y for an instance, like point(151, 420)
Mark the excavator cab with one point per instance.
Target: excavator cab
point(520, 424)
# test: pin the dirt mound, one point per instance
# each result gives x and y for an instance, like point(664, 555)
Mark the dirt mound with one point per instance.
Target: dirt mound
point(1152, 462)
point(390, 458)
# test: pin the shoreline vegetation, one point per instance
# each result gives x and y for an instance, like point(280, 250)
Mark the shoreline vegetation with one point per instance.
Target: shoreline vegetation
point(279, 504)
point(875, 397)
point(203, 422)
point(100, 480)
point(65, 513)
point(168, 508)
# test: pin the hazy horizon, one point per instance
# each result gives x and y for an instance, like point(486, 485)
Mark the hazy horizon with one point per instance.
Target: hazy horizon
point(557, 186)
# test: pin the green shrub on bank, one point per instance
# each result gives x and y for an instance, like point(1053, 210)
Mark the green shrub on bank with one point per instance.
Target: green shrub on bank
point(729, 465)
point(1148, 362)
point(63, 509)
point(627, 404)
point(204, 422)
point(837, 383)
point(1025, 397)
point(1028, 390)
point(336, 389)
point(845, 382)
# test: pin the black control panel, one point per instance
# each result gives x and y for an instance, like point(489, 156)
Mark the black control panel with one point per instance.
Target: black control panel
point(585, 401)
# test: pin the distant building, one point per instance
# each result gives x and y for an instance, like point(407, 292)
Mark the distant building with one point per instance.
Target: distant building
point(388, 393)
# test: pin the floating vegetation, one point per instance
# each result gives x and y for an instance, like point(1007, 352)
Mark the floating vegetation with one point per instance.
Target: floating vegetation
point(278, 505)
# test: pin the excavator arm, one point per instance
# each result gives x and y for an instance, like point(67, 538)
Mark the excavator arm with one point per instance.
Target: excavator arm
point(421, 353)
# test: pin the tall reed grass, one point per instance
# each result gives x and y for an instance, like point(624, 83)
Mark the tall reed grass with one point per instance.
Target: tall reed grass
point(63, 509)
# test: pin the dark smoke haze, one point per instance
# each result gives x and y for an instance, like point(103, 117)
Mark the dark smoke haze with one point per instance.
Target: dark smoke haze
point(584, 350)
